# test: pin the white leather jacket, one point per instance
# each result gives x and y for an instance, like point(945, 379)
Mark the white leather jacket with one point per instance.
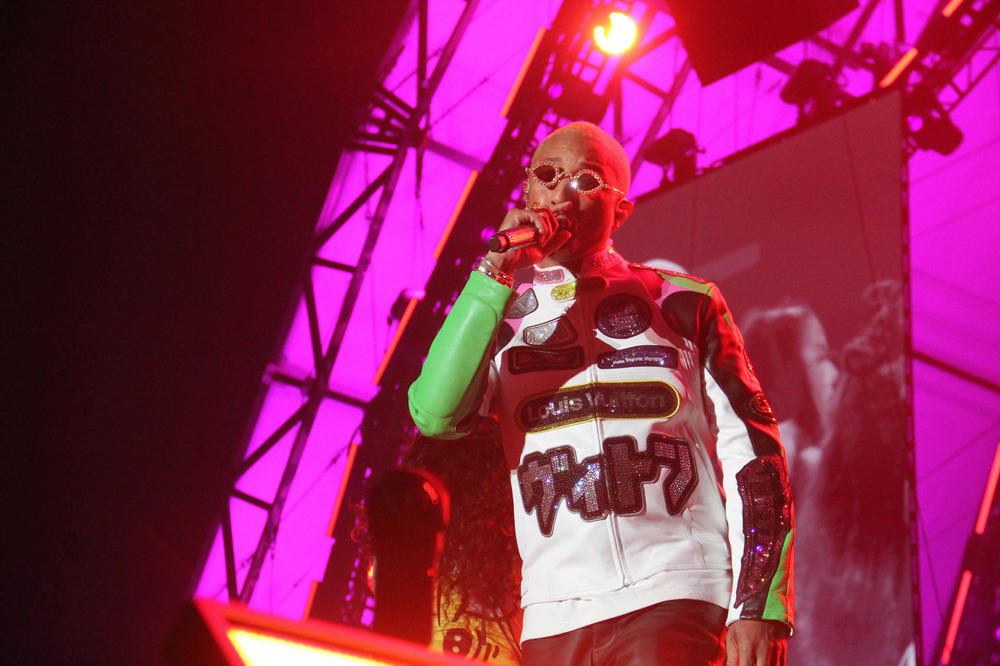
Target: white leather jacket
point(625, 399)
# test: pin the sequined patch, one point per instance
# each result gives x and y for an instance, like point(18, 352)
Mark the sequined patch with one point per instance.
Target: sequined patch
point(525, 304)
point(628, 468)
point(610, 482)
point(547, 478)
point(622, 316)
point(522, 306)
point(548, 277)
point(767, 519)
point(524, 359)
point(651, 356)
point(553, 333)
point(760, 409)
point(564, 292)
point(576, 404)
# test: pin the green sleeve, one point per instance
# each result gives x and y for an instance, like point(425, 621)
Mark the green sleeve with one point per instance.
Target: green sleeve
point(448, 388)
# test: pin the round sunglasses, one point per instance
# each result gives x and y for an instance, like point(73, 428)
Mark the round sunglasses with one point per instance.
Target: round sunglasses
point(584, 181)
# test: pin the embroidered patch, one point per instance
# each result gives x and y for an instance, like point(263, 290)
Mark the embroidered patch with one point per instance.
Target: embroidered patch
point(564, 292)
point(576, 404)
point(553, 333)
point(605, 483)
point(767, 519)
point(644, 356)
point(622, 316)
point(548, 277)
point(760, 409)
point(525, 304)
point(524, 359)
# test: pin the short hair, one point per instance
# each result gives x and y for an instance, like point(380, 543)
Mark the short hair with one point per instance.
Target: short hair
point(612, 151)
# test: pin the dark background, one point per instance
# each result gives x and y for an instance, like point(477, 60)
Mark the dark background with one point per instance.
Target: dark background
point(164, 165)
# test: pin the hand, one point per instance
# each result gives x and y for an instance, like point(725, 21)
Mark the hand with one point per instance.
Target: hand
point(551, 236)
point(756, 643)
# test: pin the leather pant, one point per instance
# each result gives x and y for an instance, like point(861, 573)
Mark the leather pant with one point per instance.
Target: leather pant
point(684, 632)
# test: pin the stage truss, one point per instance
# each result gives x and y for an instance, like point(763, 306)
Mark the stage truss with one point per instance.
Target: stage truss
point(436, 160)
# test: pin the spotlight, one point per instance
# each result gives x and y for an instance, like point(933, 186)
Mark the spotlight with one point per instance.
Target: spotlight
point(933, 130)
point(618, 37)
point(575, 99)
point(813, 88)
point(676, 151)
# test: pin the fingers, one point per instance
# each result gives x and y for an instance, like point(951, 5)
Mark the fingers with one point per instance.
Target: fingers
point(731, 650)
point(743, 650)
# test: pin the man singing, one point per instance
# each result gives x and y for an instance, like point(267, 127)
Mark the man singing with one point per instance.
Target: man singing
point(651, 500)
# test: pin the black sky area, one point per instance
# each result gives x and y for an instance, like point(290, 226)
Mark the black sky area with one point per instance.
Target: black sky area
point(164, 165)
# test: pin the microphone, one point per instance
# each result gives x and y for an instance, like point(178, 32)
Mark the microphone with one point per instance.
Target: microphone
point(512, 239)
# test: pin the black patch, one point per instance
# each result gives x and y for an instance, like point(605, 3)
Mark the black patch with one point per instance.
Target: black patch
point(553, 333)
point(622, 316)
point(525, 304)
point(681, 310)
point(526, 359)
point(609, 482)
point(504, 334)
point(760, 409)
point(624, 400)
point(643, 356)
point(767, 519)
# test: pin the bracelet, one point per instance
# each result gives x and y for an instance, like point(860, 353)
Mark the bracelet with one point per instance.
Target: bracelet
point(487, 268)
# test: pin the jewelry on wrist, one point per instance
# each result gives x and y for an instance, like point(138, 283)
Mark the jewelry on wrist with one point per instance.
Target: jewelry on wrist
point(490, 270)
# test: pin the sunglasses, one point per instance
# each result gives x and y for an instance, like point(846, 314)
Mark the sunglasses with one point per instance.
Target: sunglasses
point(584, 181)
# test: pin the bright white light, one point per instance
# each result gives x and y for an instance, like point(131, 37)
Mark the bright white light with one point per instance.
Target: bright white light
point(261, 650)
point(619, 38)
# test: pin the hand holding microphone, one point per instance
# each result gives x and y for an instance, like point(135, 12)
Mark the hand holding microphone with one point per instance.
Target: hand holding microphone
point(528, 236)
point(512, 239)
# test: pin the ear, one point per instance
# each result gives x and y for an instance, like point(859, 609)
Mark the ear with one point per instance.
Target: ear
point(622, 212)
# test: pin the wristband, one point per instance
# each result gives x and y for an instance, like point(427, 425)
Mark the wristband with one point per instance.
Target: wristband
point(487, 268)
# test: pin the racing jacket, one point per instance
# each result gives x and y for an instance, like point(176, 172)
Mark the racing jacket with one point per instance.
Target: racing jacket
point(625, 396)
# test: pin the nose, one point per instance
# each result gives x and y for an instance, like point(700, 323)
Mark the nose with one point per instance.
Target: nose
point(561, 192)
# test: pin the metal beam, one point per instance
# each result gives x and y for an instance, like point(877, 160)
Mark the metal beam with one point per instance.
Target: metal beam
point(319, 390)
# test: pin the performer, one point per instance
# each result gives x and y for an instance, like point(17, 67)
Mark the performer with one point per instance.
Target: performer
point(641, 449)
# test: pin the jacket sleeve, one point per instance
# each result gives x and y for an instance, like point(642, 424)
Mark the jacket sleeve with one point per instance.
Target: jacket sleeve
point(755, 475)
point(452, 381)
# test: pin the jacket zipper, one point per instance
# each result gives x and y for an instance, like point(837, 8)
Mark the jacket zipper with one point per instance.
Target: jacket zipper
point(584, 302)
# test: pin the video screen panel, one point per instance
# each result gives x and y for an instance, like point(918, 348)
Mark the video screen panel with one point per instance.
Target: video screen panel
point(804, 238)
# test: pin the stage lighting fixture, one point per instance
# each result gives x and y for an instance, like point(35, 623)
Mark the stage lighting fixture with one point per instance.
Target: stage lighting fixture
point(676, 151)
point(619, 36)
point(574, 99)
point(932, 129)
point(813, 88)
point(216, 634)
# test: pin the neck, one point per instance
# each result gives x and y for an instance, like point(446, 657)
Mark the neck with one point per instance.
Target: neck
point(576, 262)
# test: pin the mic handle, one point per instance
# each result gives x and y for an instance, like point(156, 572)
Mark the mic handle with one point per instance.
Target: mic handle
point(512, 239)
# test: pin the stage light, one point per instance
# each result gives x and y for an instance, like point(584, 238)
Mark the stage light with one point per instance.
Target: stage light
point(933, 130)
point(209, 632)
point(619, 36)
point(814, 89)
point(898, 68)
point(677, 152)
point(574, 99)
